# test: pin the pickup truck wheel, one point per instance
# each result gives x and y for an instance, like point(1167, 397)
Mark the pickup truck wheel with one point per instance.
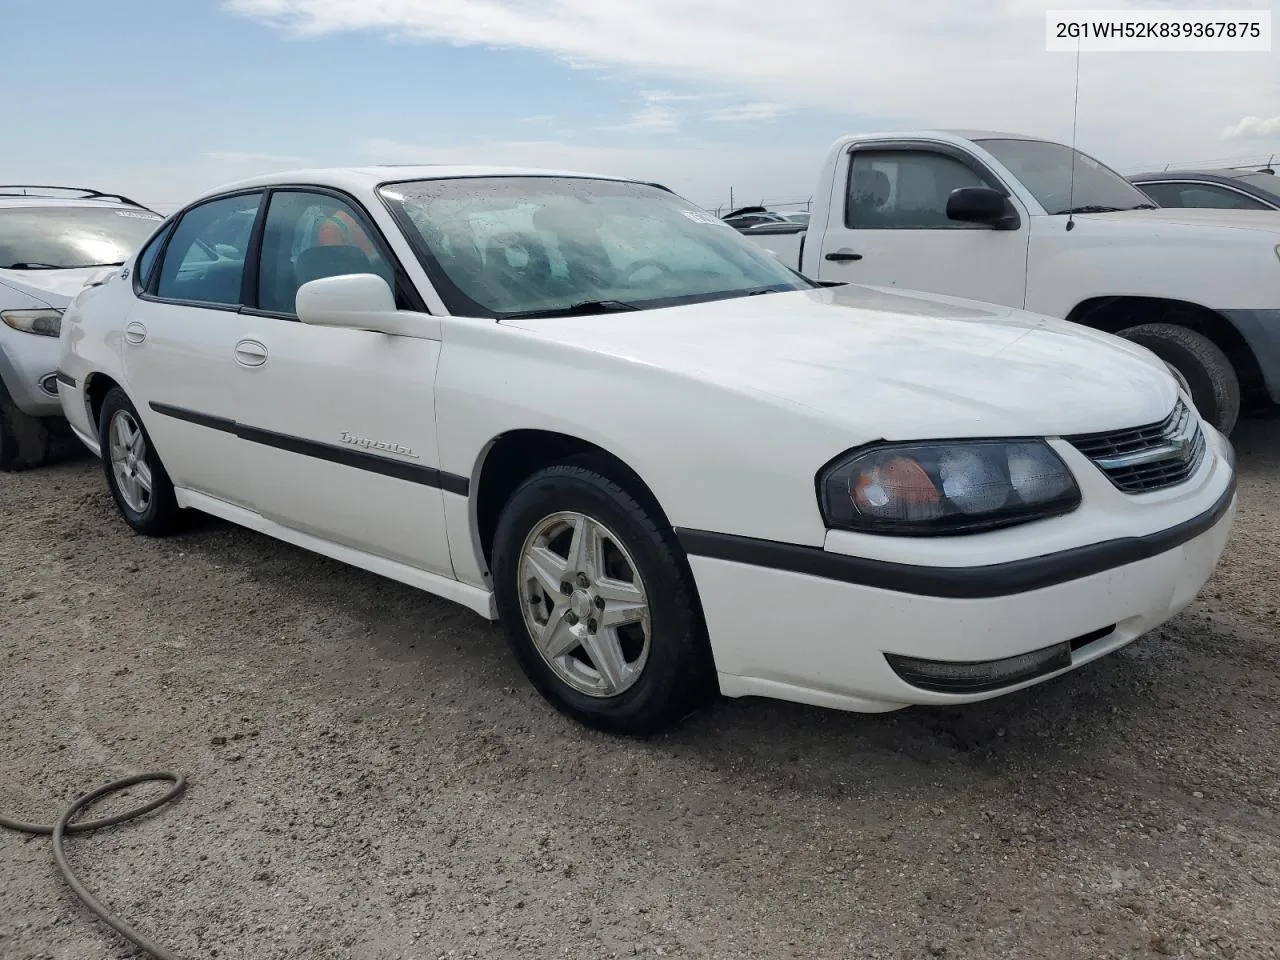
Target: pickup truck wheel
point(1215, 387)
point(24, 440)
point(137, 479)
point(597, 608)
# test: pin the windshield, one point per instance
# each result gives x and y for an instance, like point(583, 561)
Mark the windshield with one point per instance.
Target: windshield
point(1045, 170)
point(50, 238)
point(504, 246)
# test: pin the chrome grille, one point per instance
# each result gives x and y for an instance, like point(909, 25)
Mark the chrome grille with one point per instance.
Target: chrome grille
point(1142, 459)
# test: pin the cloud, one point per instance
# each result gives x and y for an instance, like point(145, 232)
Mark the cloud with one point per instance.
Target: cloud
point(651, 119)
point(666, 96)
point(925, 63)
point(1252, 128)
point(746, 113)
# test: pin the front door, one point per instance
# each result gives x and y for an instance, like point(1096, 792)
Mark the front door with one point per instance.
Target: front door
point(895, 231)
point(340, 423)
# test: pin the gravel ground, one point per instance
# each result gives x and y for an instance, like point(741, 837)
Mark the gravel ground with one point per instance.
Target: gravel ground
point(370, 776)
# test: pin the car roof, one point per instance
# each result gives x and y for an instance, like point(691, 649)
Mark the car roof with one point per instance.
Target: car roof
point(85, 203)
point(994, 135)
point(367, 178)
point(1227, 173)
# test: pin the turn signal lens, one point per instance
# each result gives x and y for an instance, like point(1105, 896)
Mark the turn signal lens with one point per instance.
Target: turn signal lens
point(961, 486)
point(900, 487)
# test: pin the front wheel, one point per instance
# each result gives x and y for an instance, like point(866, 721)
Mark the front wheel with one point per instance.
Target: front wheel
point(138, 481)
point(598, 609)
point(1215, 387)
point(24, 440)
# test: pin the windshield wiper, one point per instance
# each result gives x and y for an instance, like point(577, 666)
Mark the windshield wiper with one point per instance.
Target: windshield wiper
point(36, 265)
point(760, 291)
point(584, 308)
point(1145, 206)
point(1088, 208)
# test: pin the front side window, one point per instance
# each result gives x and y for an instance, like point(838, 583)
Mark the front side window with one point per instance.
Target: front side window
point(905, 190)
point(204, 262)
point(500, 246)
point(1047, 170)
point(65, 238)
point(310, 236)
point(147, 259)
point(1201, 195)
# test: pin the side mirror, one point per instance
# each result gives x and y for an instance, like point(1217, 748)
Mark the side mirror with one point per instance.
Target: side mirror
point(982, 205)
point(226, 250)
point(357, 301)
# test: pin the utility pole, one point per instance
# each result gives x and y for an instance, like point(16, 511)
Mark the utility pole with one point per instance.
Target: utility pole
point(731, 206)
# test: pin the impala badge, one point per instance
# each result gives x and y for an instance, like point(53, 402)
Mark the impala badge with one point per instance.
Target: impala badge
point(364, 442)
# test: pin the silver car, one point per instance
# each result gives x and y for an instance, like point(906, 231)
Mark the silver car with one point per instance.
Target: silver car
point(52, 240)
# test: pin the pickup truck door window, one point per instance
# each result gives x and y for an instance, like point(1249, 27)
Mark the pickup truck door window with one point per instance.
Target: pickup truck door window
point(895, 230)
point(179, 344)
point(340, 423)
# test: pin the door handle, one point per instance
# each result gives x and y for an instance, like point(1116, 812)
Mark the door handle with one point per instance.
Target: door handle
point(135, 332)
point(251, 353)
point(844, 256)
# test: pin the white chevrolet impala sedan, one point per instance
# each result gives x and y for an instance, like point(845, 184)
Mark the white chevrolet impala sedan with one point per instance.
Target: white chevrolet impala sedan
point(667, 463)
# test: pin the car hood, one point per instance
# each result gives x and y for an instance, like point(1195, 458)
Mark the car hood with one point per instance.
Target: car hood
point(1265, 221)
point(902, 365)
point(57, 288)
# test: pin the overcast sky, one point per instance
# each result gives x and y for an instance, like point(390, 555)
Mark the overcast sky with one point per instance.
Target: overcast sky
point(164, 100)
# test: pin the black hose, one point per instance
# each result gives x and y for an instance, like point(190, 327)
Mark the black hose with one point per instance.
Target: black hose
point(64, 826)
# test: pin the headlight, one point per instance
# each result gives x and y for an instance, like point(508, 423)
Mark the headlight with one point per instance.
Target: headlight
point(43, 323)
point(960, 486)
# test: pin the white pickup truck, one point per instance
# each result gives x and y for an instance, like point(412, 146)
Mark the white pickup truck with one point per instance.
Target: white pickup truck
point(996, 217)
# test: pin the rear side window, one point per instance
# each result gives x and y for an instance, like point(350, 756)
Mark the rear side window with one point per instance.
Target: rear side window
point(905, 190)
point(204, 262)
point(1202, 195)
point(310, 236)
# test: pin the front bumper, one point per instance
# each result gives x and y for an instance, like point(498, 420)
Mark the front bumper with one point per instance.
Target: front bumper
point(26, 364)
point(821, 627)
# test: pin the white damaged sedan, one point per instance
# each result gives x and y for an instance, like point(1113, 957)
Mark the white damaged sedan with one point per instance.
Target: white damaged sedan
point(667, 463)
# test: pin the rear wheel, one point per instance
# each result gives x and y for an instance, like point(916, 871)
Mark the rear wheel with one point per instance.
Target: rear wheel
point(1215, 387)
point(597, 607)
point(138, 481)
point(24, 439)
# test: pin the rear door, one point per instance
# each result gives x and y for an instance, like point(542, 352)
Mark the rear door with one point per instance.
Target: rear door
point(895, 232)
point(179, 341)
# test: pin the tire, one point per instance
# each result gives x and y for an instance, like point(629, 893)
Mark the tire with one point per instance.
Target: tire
point(1215, 387)
point(157, 514)
point(665, 669)
point(24, 439)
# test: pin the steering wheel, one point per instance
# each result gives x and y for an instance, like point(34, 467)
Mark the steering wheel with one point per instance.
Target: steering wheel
point(639, 265)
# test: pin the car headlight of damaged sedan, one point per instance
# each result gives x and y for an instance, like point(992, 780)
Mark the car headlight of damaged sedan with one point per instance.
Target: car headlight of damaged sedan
point(43, 323)
point(961, 486)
